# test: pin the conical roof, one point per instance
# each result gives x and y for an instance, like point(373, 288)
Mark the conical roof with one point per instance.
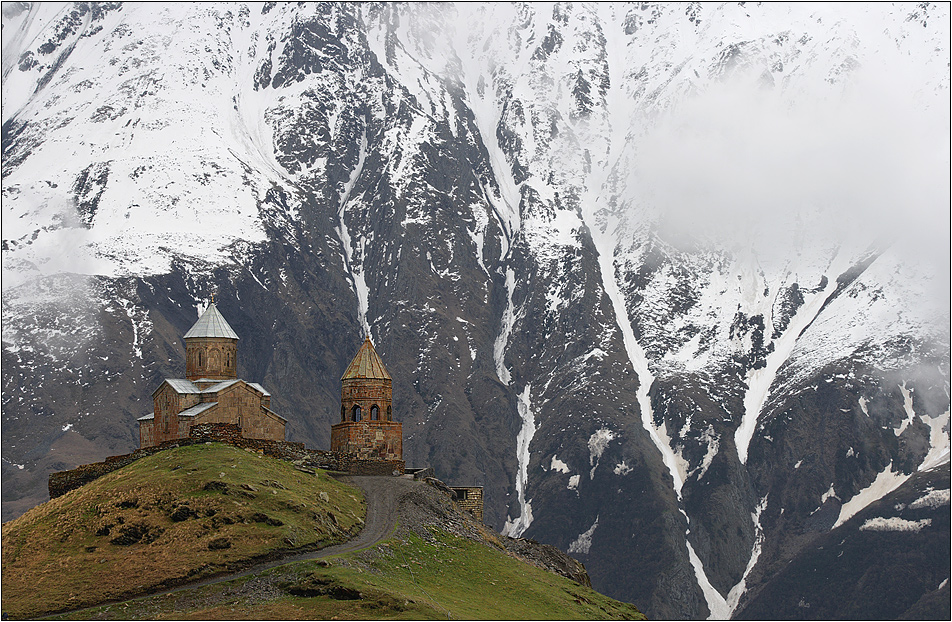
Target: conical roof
point(366, 364)
point(211, 324)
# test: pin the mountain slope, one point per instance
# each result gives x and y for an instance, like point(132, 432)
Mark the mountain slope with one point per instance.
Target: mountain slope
point(624, 262)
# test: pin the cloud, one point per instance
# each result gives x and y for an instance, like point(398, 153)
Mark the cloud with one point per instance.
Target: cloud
point(739, 163)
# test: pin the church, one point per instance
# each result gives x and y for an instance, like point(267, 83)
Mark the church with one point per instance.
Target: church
point(211, 391)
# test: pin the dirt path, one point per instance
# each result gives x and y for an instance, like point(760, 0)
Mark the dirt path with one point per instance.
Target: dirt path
point(382, 495)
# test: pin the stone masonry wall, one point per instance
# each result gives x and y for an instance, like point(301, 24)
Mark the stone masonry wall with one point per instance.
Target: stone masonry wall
point(146, 437)
point(241, 405)
point(369, 440)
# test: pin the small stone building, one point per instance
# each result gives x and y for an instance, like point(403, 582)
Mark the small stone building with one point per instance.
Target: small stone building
point(470, 498)
point(211, 391)
point(367, 430)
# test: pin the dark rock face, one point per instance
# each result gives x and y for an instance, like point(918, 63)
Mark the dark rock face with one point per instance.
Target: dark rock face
point(408, 177)
point(875, 550)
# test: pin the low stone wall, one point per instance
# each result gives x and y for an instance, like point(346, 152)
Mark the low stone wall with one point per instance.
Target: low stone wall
point(421, 473)
point(62, 482)
point(372, 467)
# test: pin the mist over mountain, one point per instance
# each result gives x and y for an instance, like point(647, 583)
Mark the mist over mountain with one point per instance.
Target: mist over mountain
point(670, 281)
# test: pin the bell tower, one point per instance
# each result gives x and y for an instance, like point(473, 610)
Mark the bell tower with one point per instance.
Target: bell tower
point(366, 388)
point(211, 348)
point(367, 429)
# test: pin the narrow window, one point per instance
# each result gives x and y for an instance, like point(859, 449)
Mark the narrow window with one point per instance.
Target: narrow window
point(374, 413)
point(343, 413)
point(356, 413)
point(388, 414)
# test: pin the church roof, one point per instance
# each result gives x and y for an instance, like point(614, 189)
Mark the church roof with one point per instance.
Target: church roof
point(211, 324)
point(260, 388)
point(179, 385)
point(197, 409)
point(366, 364)
point(222, 384)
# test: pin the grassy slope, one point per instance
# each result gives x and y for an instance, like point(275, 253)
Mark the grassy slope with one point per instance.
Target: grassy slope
point(443, 577)
point(64, 550)
point(53, 560)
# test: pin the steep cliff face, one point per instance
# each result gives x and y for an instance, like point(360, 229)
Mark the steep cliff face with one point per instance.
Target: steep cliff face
point(624, 262)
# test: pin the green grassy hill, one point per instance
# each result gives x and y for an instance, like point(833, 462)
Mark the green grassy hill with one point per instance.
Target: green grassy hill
point(201, 510)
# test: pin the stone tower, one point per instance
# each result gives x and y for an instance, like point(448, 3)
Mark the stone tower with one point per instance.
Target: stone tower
point(211, 348)
point(367, 430)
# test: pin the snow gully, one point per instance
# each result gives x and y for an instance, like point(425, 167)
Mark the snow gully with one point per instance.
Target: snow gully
point(356, 271)
point(514, 528)
point(716, 604)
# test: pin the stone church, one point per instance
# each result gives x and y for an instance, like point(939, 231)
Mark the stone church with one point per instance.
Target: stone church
point(211, 391)
point(367, 430)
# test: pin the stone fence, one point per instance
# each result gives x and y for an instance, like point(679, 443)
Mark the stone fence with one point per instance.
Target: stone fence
point(62, 482)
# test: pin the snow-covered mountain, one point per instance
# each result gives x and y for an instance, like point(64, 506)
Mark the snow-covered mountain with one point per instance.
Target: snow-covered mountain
point(671, 281)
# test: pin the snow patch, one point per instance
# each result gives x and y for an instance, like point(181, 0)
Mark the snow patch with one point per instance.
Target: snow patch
point(353, 262)
point(713, 444)
point(831, 493)
point(574, 481)
point(558, 465)
point(597, 444)
point(907, 406)
point(583, 543)
point(895, 524)
point(760, 380)
point(932, 499)
point(622, 468)
point(885, 483)
point(938, 441)
point(604, 244)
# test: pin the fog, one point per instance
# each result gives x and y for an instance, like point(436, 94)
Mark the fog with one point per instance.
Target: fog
point(780, 171)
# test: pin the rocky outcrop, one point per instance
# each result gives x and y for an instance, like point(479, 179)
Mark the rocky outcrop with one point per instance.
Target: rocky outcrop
point(548, 557)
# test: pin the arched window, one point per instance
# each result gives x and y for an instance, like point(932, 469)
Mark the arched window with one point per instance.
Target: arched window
point(389, 418)
point(343, 413)
point(374, 413)
point(356, 413)
point(201, 362)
